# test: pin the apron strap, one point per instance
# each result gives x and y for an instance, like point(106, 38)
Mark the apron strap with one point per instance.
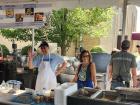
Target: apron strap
point(42, 58)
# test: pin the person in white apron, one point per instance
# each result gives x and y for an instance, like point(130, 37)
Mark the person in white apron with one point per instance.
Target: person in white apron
point(47, 64)
point(46, 78)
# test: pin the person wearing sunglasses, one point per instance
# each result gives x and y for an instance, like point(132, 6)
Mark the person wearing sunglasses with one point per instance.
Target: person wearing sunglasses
point(47, 64)
point(86, 73)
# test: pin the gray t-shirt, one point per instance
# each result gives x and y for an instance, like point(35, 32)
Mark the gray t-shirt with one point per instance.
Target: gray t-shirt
point(121, 63)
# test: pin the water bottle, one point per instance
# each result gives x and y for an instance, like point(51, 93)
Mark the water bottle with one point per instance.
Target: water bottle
point(3, 84)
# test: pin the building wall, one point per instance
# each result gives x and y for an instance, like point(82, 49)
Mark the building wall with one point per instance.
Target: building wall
point(110, 42)
point(71, 50)
point(88, 43)
point(131, 20)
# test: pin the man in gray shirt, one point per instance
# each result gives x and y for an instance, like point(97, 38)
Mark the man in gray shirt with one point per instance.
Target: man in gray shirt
point(122, 65)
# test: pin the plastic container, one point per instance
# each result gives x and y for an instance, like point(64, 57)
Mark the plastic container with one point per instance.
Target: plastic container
point(62, 91)
point(16, 84)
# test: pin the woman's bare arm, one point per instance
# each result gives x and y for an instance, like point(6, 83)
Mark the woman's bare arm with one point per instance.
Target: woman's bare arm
point(110, 73)
point(93, 74)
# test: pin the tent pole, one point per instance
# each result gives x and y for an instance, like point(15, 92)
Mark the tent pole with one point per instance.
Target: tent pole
point(33, 41)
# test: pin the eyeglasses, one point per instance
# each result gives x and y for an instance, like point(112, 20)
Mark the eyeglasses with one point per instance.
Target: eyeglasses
point(84, 56)
point(42, 47)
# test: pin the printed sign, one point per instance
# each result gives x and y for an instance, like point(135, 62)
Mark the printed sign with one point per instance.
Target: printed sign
point(24, 15)
point(9, 13)
point(29, 11)
point(39, 16)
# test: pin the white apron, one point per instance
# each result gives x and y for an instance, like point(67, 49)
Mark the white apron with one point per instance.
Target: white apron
point(46, 78)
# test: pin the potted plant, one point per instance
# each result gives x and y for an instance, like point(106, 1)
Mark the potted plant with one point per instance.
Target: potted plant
point(100, 58)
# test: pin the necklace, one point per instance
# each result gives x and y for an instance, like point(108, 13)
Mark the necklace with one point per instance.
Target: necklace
point(84, 67)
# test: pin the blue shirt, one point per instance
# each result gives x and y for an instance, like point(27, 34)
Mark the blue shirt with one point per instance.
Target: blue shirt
point(54, 60)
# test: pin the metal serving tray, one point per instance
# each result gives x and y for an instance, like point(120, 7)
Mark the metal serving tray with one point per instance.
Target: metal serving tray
point(115, 98)
point(82, 97)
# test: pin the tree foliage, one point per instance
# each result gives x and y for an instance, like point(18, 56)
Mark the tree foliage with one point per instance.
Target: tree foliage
point(5, 50)
point(100, 21)
point(25, 49)
point(23, 34)
point(97, 49)
point(68, 25)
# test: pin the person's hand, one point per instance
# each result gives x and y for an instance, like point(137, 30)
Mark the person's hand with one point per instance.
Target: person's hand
point(71, 81)
point(57, 72)
point(97, 87)
point(135, 86)
point(31, 54)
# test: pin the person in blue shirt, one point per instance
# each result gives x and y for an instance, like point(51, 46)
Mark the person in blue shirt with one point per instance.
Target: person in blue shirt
point(47, 64)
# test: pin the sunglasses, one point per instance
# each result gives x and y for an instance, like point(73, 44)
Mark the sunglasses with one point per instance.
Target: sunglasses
point(84, 56)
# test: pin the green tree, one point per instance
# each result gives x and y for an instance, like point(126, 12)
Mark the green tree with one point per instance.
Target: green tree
point(100, 21)
point(65, 26)
point(24, 34)
point(5, 50)
point(70, 25)
point(24, 50)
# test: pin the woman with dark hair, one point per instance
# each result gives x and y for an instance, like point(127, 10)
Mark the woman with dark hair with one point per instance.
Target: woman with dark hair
point(86, 73)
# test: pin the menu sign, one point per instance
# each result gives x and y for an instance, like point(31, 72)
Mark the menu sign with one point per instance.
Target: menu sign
point(25, 15)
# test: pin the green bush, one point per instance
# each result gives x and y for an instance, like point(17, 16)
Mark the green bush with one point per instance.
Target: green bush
point(5, 50)
point(97, 49)
point(24, 50)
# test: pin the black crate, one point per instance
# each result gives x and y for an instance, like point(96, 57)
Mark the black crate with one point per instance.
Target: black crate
point(98, 98)
point(113, 98)
point(81, 99)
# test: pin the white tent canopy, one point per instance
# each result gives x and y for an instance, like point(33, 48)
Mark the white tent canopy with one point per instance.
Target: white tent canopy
point(77, 3)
